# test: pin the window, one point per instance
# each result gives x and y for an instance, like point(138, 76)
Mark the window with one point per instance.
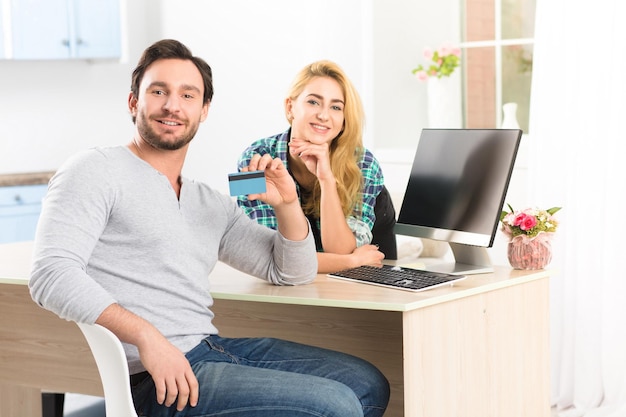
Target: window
point(497, 43)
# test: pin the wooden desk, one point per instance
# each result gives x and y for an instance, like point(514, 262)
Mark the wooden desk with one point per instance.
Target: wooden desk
point(478, 349)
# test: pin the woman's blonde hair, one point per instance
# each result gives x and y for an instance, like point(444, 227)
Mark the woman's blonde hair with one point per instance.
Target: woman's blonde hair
point(347, 148)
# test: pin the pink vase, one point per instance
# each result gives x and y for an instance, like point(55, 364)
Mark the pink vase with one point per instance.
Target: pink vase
point(530, 253)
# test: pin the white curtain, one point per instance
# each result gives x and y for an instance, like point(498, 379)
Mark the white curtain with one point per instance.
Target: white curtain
point(578, 161)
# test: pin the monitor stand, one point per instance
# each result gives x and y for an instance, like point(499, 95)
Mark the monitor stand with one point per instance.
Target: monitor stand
point(468, 260)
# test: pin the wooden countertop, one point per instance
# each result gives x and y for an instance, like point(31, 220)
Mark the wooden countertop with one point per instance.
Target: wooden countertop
point(230, 284)
point(29, 178)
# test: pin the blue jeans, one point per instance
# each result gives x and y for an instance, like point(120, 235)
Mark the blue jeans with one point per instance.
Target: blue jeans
point(265, 377)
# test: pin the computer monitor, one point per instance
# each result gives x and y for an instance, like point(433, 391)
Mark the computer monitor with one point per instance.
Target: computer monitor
point(458, 183)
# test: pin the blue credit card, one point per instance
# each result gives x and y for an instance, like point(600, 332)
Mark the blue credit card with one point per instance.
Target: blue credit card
point(244, 183)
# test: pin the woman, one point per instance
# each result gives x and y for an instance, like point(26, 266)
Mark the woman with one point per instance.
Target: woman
point(338, 180)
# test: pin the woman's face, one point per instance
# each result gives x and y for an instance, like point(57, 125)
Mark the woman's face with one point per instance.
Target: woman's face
point(317, 113)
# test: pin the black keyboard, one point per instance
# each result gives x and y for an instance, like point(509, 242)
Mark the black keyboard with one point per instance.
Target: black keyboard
point(396, 277)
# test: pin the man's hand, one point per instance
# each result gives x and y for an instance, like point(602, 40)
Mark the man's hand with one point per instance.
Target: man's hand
point(280, 187)
point(167, 365)
point(281, 194)
point(171, 372)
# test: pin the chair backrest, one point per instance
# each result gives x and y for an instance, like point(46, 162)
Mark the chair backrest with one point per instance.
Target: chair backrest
point(109, 354)
point(383, 233)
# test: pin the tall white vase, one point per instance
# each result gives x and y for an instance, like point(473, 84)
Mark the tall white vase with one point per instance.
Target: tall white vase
point(509, 116)
point(445, 102)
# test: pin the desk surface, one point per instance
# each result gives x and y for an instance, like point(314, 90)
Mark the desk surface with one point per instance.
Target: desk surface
point(490, 345)
point(230, 284)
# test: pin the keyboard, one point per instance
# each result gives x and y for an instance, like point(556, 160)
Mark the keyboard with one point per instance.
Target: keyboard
point(396, 277)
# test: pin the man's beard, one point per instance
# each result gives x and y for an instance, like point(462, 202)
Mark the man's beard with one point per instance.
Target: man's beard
point(154, 139)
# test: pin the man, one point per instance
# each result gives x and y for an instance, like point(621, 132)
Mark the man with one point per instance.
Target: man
point(126, 242)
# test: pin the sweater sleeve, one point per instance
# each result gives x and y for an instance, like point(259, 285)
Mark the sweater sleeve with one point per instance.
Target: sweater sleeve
point(247, 244)
point(74, 213)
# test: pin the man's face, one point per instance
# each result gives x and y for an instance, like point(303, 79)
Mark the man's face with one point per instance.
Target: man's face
point(169, 108)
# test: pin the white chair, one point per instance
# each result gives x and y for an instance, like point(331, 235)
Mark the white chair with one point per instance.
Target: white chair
point(109, 354)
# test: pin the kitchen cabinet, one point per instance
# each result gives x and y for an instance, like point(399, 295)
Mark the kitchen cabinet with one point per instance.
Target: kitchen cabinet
point(19, 211)
point(63, 29)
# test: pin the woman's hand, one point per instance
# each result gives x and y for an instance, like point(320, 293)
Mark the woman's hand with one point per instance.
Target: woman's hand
point(363, 255)
point(368, 255)
point(315, 156)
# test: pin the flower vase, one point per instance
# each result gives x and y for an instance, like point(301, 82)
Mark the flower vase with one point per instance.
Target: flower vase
point(530, 252)
point(444, 101)
point(509, 116)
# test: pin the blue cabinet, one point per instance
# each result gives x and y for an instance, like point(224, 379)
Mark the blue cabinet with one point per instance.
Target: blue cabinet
point(19, 211)
point(65, 29)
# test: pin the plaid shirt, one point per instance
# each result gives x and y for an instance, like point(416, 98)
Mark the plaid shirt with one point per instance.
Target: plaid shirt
point(277, 147)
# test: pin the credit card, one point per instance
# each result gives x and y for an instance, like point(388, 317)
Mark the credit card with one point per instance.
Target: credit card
point(244, 183)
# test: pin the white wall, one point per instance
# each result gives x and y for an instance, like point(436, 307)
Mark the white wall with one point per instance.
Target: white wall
point(255, 49)
point(401, 31)
point(50, 110)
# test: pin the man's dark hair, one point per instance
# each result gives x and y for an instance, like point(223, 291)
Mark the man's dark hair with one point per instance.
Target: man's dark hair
point(171, 49)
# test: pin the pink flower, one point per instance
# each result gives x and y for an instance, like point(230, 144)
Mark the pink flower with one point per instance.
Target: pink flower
point(442, 62)
point(421, 75)
point(449, 49)
point(530, 222)
point(525, 221)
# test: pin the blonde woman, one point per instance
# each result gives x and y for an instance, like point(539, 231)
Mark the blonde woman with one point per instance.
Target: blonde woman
point(340, 183)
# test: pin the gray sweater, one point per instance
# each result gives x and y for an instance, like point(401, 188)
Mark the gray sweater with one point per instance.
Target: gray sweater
point(112, 231)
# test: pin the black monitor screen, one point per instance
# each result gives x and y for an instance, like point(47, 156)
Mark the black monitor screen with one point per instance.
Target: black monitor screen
point(458, 184)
